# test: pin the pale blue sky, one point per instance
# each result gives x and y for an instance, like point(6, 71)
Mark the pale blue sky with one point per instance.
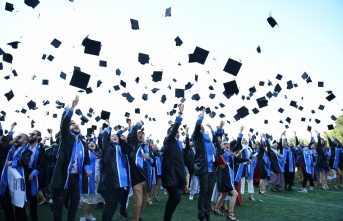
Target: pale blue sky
point(308, 39)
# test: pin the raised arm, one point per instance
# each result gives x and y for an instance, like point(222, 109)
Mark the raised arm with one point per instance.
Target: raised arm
point(106, 135)
point(175, 127)
point(196, 132)
point(238, 145)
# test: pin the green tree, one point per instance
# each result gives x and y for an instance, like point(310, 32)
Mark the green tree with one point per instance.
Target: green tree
point(338, 131)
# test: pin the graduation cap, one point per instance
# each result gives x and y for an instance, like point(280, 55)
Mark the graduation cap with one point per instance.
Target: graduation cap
point(157, 76)
point(163, 99)
point(137, 111)
point(261, 83)
point(90, 110)
point(188, 86)
point(91, 47)
point(9, 95)
point(63, 75)
point(265, 121)
point(23, 110)
point(289, 84)
point(330, 127)
point(196, 78)
point(237, 117)
point(123, 83)
point(333, 117)
point(98, 83)
point(320, 84)
point(127, 114)
point(54, 115)
point(2, 118)
point(3, 113)
point(288, 120)
point(97, 119)
point(232, 67)
point(104, 64)
point(262, 102)
point(293, 104)
point(7, 58)
point(199, 55)
point(9, 7)
point(14, 44)
point(32, 105)
point(145, 97)
point(178, 41)
point(269, 95)
point(221, 105)
point(277, 88)
point(309, 128)
point(128, 97)
point(330, 97)
point(308, 80)
point(56, 43)
point(312, 111)
point(179, 92)
point(168, 12)
point(258, 49)
point(43, 56)
point(89, 90)
point(134, 24)
point(243, 112)
point(78, 112)
point(212, 96)
point(221, 115)
point(154, 90)
point(321, 107)
point(252, 90)
point(116, 87)
point(279, 77)
point(50, 57)
point(304, 76)
point(300, 108)
point(1, 67)
point(231, 87)
point(243, 97)
point(84, 119)
point(280, 110)
point(317, 121)
point(45, 82)
point(143, 58)
point(14, 73)
point(7, 77)
point(270, 83)
point(32, 3)
point(105, 115)
point(255, 110)
point(272, 21)
point(79, 79)
point(251, 130)
point(196, 97)
point(89, 115)
point(211, 88)
point(137, 80)
point(303, 119)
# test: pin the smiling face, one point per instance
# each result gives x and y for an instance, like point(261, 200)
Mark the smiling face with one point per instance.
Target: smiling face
point(202, 129)
point(21, 140)
point(91, 146)
point(140, 137)
point(114, 138)
point(244, 141)
point(74, 127)
point(34, 137)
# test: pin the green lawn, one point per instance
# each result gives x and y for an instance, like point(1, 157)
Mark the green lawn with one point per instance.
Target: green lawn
point(316, 205)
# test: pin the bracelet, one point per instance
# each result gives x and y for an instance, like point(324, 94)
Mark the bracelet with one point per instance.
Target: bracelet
point(180, 113)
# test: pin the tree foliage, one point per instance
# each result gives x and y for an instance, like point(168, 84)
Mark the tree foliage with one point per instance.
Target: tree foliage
point(338, 131)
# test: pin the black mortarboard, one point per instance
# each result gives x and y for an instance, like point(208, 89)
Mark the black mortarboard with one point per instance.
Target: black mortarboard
point(116, 87)
point(56, 43)
point(154, 90)
point(281, 110)
point(317, 121)
point(258, 49)
point(308, 80)
point(23, 110)
point(178, 41)
point(143, 58)
point(212, 114)
point(32, 105)
point(91, 47)
point(288, 120)
point(279, 77)
point(168, 12)
point(304, 76)
point(210, 87)
point(303, 119)
point(104, 125)
point(105, 115)
point(145, 97)
point(157, 76)
point(127, 114)
point(270, 83)
point(221, 115)
point(2, 118)
point(293, 104)
point(174, 80)
point(134, 24)
point(330, 97)
point(272, 21)
point(7, 77)
point(262, 102)
point(128, 97)
point(9, 7)
point(330, 127)
point(3, 113)
point(63, 75)
point(50, 57)
point(243, 112)
point(7, 58)
point(183, 100)
point(90, 110)
point(15, 73)
point(329, 92)
point(188, 86)
point(14, 44)
point(9, 95)
point(277, 88)
point(196, 97)
point(301, 108)
point(1, 67)
point(237, 117)
point(118, 72)
point(103, 64)
point(295, 85)
point(97, 119)
point(84, 119)
point(45, 82)
point(196, 78)
point(123, 83)
point(269, 95)
point(333, 117)
point(321, 107)
point(312, 111)
point(78, 112)
point(43, 56)
point(252, 90)
point(137, 80)
point(320, 84)
point(281, 122)
point(199, 55)
point(163, 99)
point(289, 84)
point(243, 97)
point(221, 105)
point(231, 87)
point(89, 90)
point(137, 111)
point(261, 83)
point(89, 131)
point(286, 126)
point(232, 67)
point(79, 79)
point(255, 110)
point(309, 128)
point(31, 3)
point(212, 96)
point(265, 121)
point(179, 92)
point(54, 115)
point(89, 115)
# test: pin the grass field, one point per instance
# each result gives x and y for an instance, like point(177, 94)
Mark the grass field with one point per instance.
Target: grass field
point(318, 204)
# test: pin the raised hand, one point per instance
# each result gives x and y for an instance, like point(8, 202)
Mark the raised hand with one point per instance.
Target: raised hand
point(242, 128)
point(108, 122)
point(75, 102)
point(209, 126)
point(221, 124)
point(187, 128)
point(181, 107)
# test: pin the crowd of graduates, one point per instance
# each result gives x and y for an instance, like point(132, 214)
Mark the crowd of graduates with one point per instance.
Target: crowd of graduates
point(69, 169)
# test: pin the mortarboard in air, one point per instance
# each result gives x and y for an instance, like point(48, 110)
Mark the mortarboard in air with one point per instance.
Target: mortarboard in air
point(50, 57)
point(231, 87)
point(31, 3)
point(252, 90)
point(329, 92)
point(221, 105)
point(269, 95)
point(174, 79)
point(261, 83)
point(321, 107)
point(196, 97)
point(333, 117)
point(145, 97)
point(7, 58)
point(97, 119)
point(59, 104)
point(211, 88)
point(255, 110)
point(23, 110)
point(265, 121)
point(44, 56)
point(54, 115)
point(248, 98)
point(98, 83)
point(288, 120)
point(154, 90)
point(76, 68)
point(2, 118)
point(56, 43)
point(330, 97)
point(32, 105)
point(330, 127)
point(215, 81)
point(221, 115)
point(212, 96)
point(89, 115)
point(237, 117)
point(89, 90)
point(179, 92)
point(1, 67)
point(3, 113)
point(304, 76)
point(143, 58)
point(317, 121)
point(243, 112)
point(295, 85)
point(94, 127)
point(118, 72)
point(199, 55)
point(116, 87)
point(78, 112)
point(123, 83)
point(105, 115)
point(183, 100)
point(134, 24)
point(279, 77)
point(63, 75)
point(188, 86)
point(277, 88)
point(127, 114)
point(312, 111)
point(157, 76)
point(251, 130)
point(14, 44)
point(212, 114)
point(178, 41)
point(89, 131)
point(90, 110)
point(196, 78)
point(168, 12)
point(163, 99)
point(280, 110)
point(286, 126)
point(308, 80)
point(232, 67)
point(293, 104)
point(289, 84)
point(272, 21)
point(270, 83)
point(309, 119)
point(303, 119)
point(9, 95)
point(79, 79)
point(91, 47)
point(262, 102)
point(103, 64)
point(84, 119)
point(301, 108)
point(14, 73)
point(137, 111)
point(320, 84)
point(45, 82)
point(258, 49)
point(243, 97)
point(128, 97)
point(9, 7)
point(137, 80)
